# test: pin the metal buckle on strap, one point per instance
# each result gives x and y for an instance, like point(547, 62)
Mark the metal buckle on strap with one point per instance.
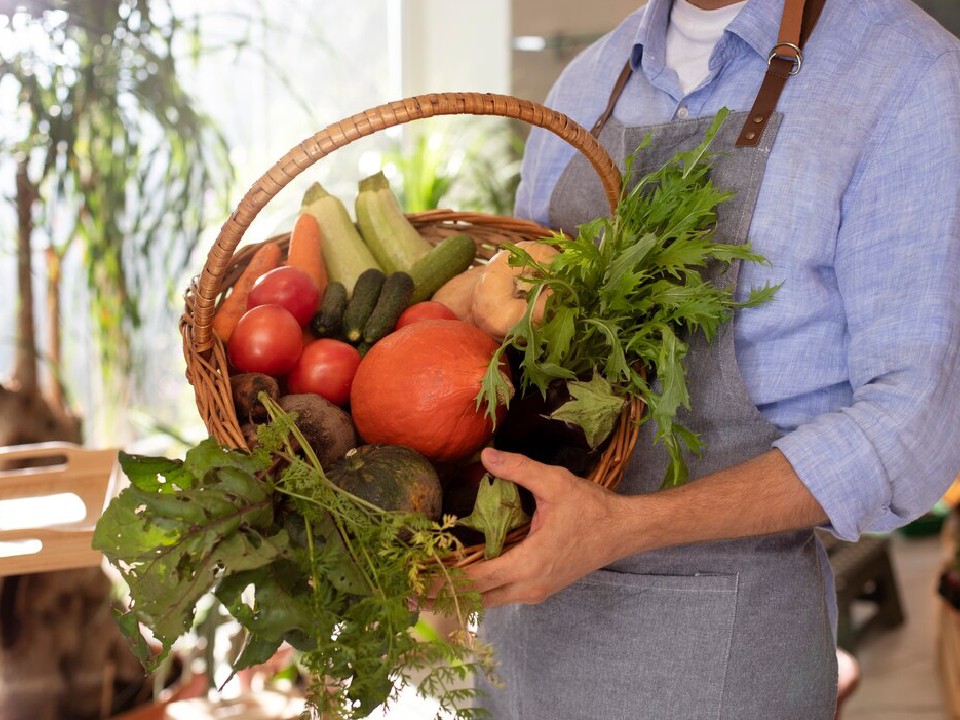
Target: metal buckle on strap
point(797, 61)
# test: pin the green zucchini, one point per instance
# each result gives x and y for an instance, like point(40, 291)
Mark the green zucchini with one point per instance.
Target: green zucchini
point(328, 319)
point(393, 240)
point(344, 252)
point(450, 257)
point(394, 298)
point(364, 298)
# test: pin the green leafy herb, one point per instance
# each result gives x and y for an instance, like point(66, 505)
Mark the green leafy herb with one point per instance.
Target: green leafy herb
point(626, 292)
point(496, 512)
point(593, 406)
point(294, 559)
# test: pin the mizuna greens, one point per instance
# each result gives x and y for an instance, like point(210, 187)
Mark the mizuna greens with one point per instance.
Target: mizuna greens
point(626, 292)
point(293, 558)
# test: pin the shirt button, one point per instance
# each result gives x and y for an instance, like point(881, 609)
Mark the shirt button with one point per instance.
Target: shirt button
point(682, 112)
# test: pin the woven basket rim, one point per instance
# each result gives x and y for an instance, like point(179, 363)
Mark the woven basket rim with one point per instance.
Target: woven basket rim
point(348, 130)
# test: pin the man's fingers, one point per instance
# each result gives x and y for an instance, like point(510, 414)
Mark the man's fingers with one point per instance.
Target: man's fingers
point(437, 584)
point(503, 570)
point(496, 598)
point(534, 476)
point(490, 580)
point(488, 574)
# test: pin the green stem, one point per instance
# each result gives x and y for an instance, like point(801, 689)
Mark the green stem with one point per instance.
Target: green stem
point(344, 536)
point(311, 548)
point(368, 507)
point(372, 579)
point(453, 593)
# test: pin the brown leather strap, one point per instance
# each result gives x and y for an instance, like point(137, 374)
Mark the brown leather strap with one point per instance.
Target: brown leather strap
point(612, 102)
point(785, 60)
point(797, 22)
point(790, 23)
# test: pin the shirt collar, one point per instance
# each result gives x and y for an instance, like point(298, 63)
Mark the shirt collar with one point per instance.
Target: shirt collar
point(651, 36)
point(758, 25)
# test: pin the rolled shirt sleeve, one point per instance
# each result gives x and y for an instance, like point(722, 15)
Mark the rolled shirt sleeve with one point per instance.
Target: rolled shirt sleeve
point(886, 458)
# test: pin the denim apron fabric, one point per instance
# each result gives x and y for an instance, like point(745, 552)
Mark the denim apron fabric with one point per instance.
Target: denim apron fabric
point(731, 630)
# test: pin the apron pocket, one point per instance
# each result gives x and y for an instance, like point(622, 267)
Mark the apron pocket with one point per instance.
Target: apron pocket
point(618, 645)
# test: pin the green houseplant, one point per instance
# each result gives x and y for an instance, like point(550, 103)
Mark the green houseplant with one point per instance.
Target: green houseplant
point(113, 168)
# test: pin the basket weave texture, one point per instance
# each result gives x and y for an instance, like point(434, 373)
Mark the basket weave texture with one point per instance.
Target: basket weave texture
point(207, 368)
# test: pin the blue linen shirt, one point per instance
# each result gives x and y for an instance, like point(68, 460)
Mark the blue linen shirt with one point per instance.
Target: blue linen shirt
point(857, 360)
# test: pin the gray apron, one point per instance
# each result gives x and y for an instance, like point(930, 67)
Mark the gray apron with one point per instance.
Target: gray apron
point(732, 630)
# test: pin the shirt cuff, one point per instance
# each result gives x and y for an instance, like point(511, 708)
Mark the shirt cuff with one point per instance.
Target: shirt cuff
point(836, 463)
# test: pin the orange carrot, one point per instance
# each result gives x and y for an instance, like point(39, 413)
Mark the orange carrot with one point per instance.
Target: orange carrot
point(267, 257)
point(306, 242)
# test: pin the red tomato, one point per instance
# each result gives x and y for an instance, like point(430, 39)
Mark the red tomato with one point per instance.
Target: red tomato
point(268, 339)
point(426, 310)
point(289, 287)
point(326, 368)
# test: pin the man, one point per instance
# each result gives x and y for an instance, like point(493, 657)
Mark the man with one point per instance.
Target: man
point(835, 405)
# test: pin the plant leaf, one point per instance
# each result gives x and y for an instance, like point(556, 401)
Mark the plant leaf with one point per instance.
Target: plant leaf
point(171, 548)
point(496, 512)
point(593, 406)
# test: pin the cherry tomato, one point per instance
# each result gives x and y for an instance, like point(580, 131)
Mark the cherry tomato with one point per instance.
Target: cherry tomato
point(326, 368)
point(267, 339)
point(289, 287)
point(426, 310)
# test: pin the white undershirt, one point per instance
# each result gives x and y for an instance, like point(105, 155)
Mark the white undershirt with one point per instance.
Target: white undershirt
point(691, 37)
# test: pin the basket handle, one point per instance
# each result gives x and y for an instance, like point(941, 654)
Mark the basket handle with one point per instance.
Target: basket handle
point(344, 132)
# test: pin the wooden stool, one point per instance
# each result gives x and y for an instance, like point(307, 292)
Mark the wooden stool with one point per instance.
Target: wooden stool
point(864, 574)
point(43, 471)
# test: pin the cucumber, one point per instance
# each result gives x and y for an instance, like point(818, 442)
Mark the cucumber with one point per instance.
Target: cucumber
point(363, 348)
point(365, 295)
point(394, 298)
point(450, 257)
point(344, 252)
point(328, 319)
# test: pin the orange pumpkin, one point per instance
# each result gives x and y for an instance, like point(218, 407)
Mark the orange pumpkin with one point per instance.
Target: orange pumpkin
point(418, 387)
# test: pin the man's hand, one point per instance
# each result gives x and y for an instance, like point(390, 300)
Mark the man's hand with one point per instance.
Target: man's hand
point(579, 526)
point(574, 531)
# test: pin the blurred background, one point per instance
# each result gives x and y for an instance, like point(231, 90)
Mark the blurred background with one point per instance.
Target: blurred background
point(129, 129)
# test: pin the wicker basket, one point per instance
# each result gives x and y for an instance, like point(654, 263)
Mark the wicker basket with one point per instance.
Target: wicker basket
point(207, 368)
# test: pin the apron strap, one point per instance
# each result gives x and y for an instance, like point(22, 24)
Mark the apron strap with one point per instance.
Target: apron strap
point(785, 60)
point(796, 24)
point(612, 102)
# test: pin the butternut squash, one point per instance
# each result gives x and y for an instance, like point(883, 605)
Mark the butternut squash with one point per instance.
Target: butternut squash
point(457, 292)
point(499, 298)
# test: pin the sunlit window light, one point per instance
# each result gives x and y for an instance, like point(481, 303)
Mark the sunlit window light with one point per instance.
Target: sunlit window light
point(43, 511)
point(369, 163)
point(16, 548)
point(530, 43)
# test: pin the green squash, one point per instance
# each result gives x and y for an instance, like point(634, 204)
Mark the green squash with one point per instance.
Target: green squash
point(392, 477)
